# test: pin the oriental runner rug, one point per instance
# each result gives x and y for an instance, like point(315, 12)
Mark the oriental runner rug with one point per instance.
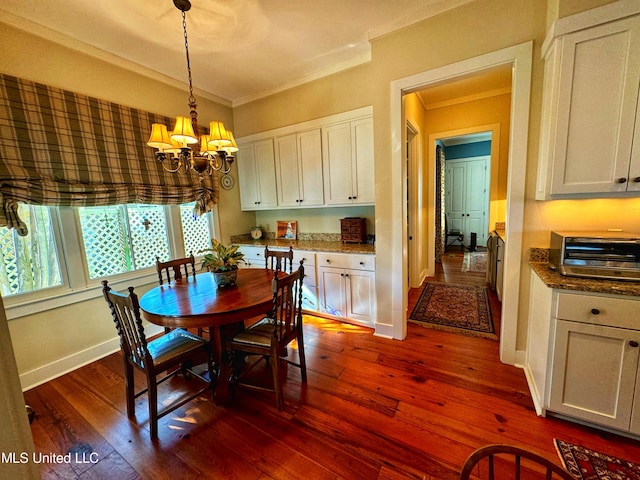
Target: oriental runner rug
point(585, 464)
point(474, 262)
point(455, 308)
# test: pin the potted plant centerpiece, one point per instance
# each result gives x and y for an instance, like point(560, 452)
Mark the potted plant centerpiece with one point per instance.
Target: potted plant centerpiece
point(222, 262)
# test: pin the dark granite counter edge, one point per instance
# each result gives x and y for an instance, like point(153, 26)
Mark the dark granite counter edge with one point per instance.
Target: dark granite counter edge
point(553, 279)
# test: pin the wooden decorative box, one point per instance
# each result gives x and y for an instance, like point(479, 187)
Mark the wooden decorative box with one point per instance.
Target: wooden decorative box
point(353, 230)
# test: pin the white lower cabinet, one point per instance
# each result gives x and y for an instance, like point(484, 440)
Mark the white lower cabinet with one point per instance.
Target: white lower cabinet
point(253, 257)
point(346, 286)
point(594, 374)
point(338, 285)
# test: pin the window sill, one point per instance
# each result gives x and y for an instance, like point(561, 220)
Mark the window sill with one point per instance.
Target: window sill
point(28, 304)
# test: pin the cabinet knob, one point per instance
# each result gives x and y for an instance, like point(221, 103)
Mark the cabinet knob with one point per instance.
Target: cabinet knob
point(350, 198)
point(346, 274)
point(328, 261)
point(595, 311)
point(633, 343)
point(362, 263)
point(636, 180)
point(622, 180)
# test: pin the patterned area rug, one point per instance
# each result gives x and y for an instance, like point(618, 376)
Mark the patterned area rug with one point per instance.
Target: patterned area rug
point(474, 262)
point(585, 464)
point(455, 308)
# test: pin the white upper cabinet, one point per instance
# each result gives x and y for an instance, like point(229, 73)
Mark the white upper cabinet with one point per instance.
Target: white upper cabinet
point(590, 132)
point(348, 163)
point(299, 169)
point(257, 173)
point(323, 162)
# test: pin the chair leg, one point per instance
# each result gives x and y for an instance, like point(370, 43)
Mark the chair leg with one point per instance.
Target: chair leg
point(153, 405)
point(303, 360)
point(129, 387)
point(277, 377)
point(213, 376)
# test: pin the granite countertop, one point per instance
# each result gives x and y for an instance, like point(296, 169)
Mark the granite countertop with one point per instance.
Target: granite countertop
point(554, 280)
point(311, 245)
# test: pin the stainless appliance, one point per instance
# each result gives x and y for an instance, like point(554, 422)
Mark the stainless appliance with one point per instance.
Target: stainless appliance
point(614, 255)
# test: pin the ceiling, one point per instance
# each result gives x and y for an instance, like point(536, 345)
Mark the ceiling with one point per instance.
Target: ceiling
point(240, 50)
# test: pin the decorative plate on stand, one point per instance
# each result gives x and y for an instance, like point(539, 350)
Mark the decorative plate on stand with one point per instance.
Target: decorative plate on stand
point(227, 182)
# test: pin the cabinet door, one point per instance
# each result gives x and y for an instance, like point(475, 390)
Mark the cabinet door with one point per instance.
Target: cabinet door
point(360, 293)
point(257, 176)
point(331, 291)
point(338, 185)
point(594, 373)
point(597, 98)
point(363, 178)
point(299, 169)
point(248, 177)
point(266, 167)
point(287, 170)
point(310, 169)
point(348, 163)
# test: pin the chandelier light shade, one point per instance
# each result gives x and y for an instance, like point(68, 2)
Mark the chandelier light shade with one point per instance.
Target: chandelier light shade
point(175, 150)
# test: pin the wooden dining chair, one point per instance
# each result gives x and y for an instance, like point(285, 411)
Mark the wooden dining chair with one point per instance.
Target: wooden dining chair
point(281, 260)
point(175, 352)
point(507, 461)
point(179, 266)
point(270, 337)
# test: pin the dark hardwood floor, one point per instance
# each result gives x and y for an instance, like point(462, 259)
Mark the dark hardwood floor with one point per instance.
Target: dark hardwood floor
point(373, 408)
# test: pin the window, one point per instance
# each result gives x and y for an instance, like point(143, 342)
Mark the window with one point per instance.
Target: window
point(111, 241)
point(123, 238)
point(29, 263)
point(196, 231)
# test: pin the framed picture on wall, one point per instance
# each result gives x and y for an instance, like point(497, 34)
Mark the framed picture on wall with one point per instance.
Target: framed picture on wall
point(287, 229)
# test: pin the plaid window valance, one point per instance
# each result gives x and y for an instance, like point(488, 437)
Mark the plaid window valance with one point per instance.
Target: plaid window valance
point(62, 148)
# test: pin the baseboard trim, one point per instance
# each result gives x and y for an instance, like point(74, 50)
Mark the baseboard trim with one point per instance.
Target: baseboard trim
point(45, 373)
point(533, 391)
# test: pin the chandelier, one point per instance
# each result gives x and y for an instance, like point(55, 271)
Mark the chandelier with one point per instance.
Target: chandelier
point(184, 149)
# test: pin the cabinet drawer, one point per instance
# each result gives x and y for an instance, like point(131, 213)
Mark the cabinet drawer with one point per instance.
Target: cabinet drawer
point(343, 260)
point(308, 257)
point(600, 310)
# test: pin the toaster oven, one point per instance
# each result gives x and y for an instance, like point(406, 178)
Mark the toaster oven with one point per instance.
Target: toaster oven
point(612, 255)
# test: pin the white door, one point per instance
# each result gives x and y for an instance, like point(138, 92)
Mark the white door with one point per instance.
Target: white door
point(477, 200)
point(467, 197)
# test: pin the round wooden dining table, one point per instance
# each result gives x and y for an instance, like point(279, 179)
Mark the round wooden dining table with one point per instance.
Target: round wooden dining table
point(199, 302)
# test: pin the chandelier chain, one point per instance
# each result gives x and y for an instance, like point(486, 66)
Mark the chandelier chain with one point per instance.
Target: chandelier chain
point(192, 99)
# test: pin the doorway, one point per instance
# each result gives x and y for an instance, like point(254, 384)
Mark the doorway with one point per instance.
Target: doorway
point(467, 187)
point(519, 59)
